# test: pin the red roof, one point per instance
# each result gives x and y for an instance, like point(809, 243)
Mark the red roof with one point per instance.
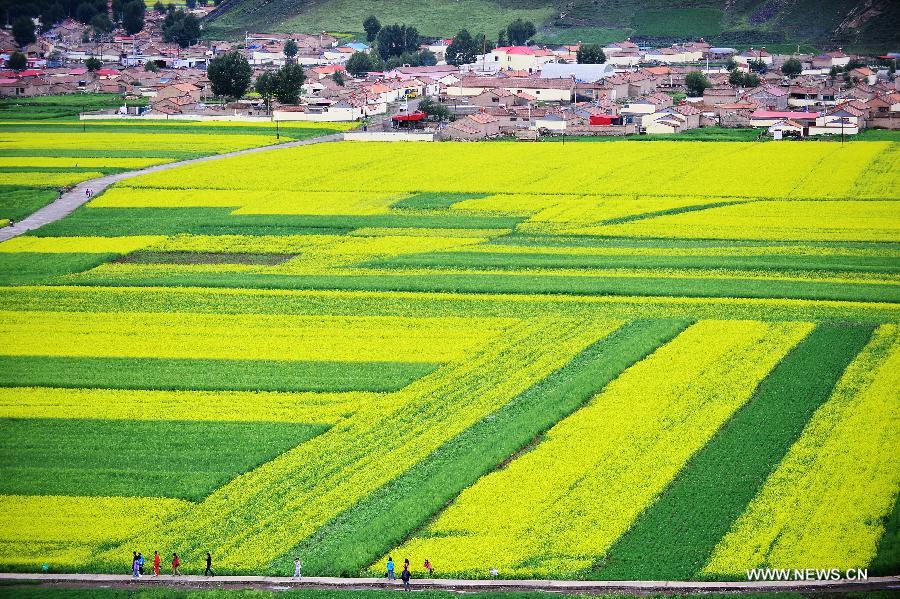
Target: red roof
point(107, 72)
point(29, 73)
point(776, 114)
point(412, 116)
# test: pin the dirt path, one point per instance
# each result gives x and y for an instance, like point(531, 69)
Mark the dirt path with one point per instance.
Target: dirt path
point(554, 586)
point(71, 200)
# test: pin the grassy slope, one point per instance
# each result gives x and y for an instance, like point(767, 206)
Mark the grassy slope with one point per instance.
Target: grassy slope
point(738, 22)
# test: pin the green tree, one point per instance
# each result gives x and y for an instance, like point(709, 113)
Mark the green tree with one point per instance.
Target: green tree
point(52, 14)
point(757, 66)
point(192, 4)
point(590, 54)
point(23, 31)
point(93, 64)
point(338, 77)
point(371, 26)
point(696, 82)
point(426, 58)
point(394, 40)
point(462, 49)
point(159, 7)
point(289, 80)
point(182, 28)
point(359, 64)
point(731, 64)
point(290, 49)
point(501, 39)
point(519, 32)
point(791, 67)
point(229, 75)
point(85, 12)
point(101, 24)
point(265, 87)
point(151, 66)
point(133, 16)
point(17, 61)
point(434, 109)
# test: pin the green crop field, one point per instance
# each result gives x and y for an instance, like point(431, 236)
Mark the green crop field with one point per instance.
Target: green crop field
point(579, 361)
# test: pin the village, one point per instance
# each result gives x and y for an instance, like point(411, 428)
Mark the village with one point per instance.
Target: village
point(524, 90)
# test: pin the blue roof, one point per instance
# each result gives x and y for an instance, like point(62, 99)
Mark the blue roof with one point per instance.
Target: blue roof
point(358, 46)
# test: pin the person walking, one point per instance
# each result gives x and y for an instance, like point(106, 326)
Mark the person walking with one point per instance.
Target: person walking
point(156, 563)
point(176, 562)
point(141, 561)
point(135, 567)
point(390, 569)
point(298, 568)
point(209, 570)
point(428, 567)
point(405, 575)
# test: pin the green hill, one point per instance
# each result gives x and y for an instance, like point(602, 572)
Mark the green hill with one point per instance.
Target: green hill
point(868, 25)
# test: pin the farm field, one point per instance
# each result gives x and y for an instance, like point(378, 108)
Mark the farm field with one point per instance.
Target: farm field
point(44, 148)
point(658, 363)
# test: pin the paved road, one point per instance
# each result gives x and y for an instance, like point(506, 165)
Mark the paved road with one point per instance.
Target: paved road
point(66, 204)
point(556, 586)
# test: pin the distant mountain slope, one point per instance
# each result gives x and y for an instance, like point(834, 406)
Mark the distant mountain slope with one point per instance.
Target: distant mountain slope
point(867, 24)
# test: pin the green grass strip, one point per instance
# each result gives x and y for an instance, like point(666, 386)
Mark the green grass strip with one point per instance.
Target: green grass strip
point(179, 257)
point(428, 200)
point(524, 261)
point(219, 221)
point(207, 375)
point(674, 538)
point(30, 268)
point(887, 559)
point(185, 460)
point(17, 202)
point(516, 284)
point(383, 520)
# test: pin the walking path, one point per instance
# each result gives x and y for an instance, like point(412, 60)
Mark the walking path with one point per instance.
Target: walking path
point(71, 200)
point(556, 586)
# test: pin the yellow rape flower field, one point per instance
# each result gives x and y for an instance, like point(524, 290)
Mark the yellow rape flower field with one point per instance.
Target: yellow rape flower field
point(604, 361)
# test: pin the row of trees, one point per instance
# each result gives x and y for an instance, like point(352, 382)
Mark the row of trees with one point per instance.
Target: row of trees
point(127, 14)
point(230, 76)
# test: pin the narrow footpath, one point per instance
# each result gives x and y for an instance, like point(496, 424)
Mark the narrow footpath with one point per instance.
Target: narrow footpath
point(581, 587)
point(71, 200)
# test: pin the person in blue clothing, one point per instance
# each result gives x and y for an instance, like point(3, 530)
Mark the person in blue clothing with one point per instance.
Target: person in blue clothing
point(390, 569)
point(140, 561)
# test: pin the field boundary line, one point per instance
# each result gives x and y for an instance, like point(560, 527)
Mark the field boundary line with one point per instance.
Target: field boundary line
point(456, 585)
point(69, 201)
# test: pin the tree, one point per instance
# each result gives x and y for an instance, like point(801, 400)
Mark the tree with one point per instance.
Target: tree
point(101, 24)
point(17, 61)
point(359, 64)
point(757, 66)
point(229, 75)
point(371, 26)
point(434, 109)
point(182, 28)
point(696, 82)
point(23, 31)
point(85, 12)
point(462, 49)
point(159, 7)
point(731, 64)
point(93, 64)
point(501, 39)
point(133, 16)
point(288, 81)
point(394, 40)
point(151, 66)
point(519, 32)
point(290, 49)
point(791, 67)
point(52, 14)
point(192, 4)
point(338, 77)
point(265, 87)
point(426, 58)
point(590, 54)
point(740, 79)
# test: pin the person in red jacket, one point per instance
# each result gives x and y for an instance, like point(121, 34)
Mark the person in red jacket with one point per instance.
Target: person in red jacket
point(156, 562)
point(176, 561)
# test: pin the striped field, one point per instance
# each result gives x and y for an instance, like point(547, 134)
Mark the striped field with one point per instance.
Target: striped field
point(588, 361)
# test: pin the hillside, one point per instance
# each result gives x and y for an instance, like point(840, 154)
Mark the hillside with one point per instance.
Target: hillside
point(871, 24)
